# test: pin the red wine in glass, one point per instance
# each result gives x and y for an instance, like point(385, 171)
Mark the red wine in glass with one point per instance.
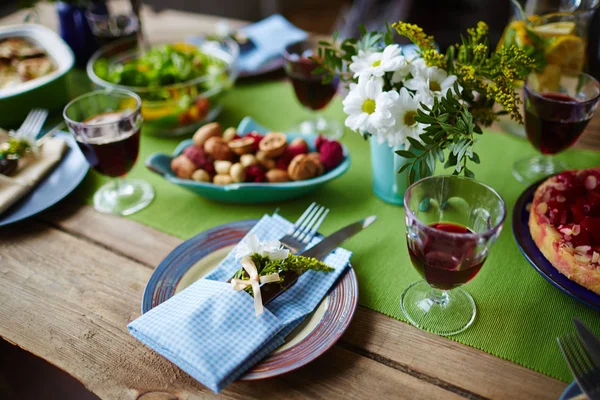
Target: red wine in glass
point(111, 153)
point(444, 261)
point(554, 121)
point(309, 89)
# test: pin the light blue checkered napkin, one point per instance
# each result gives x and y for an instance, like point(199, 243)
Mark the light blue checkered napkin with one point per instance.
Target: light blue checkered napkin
point(210, 331)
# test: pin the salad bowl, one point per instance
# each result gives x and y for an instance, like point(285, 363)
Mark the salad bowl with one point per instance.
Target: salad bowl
point(247, 193)
point(180, 84)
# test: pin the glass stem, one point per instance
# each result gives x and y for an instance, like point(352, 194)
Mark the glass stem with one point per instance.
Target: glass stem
point(438, 296)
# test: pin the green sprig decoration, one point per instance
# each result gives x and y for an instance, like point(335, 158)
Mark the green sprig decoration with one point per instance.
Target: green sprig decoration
point(14, 148)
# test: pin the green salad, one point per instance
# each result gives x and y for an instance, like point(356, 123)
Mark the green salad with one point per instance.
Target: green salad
point(164, 65)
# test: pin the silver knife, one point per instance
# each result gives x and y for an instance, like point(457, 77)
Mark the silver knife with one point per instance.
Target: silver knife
point(590, 341)
point(318, 251)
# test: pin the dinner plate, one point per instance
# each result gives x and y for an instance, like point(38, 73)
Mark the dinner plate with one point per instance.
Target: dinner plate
point(197, 256)
point(537, 259)
point(573, 390)
point(61, 181)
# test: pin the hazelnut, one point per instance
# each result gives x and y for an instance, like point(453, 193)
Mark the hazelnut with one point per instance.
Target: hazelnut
point(303, 167)
point(277, 175)
point(264, 161)
point(237, 172)
point(182, 167)
point(207, 131)
point(222, 180)
point(316, 157)
point(216, 147)
point(201, 175)
point(273, 144)
point(222, 167)
point(248, 159)
point(230, 134)
point(241, 146)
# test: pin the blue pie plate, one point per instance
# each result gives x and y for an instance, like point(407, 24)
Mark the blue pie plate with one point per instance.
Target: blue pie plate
point(61, 181)
point(537, 259)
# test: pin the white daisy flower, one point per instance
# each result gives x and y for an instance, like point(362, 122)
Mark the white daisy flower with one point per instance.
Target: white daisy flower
point(377, 64)
point(405, 110)
point(269, 248)
point(413, 65)
point(368, 107)
point(431, 82)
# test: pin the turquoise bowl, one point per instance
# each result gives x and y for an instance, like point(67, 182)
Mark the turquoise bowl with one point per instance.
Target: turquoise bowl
point(247, 193)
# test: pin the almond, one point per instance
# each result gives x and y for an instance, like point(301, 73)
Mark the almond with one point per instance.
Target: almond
point(560, 186)
point(561, 199)
point(542, 208)
point(595, 257)
point(591, 182)
point(583, 258)
point(576, 230)
point(566, 231)
point(582, 249)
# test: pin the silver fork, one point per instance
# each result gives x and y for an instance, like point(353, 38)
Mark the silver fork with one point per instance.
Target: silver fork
point(581, 365)
point(33, 123)
point(305, 228)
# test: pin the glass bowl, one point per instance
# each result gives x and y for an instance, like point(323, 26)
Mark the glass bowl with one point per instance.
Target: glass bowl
point(177, 109)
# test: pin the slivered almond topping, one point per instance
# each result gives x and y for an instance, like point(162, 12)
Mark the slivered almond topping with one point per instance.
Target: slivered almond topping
point(576, 230)
point(583, 258)
point(528, 207)
point(560, 186)
point(569, 245)
point(546, 196)
point(582, 249)
point(561, 199)
point(568, 237)
point(566, 231)
point(542, 208)
point(591, 182)
point(595, 257)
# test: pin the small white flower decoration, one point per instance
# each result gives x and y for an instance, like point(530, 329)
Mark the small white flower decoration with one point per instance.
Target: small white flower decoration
point(413, 66)
point(368, 107)
point(431, 82)
point(378, 63)
point(269, 248)
point(405, 110)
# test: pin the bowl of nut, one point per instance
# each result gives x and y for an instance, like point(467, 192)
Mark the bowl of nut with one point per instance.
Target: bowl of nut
point(251, 164)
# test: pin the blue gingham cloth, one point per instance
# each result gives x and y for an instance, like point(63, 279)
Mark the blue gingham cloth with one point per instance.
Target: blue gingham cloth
point(210, 331)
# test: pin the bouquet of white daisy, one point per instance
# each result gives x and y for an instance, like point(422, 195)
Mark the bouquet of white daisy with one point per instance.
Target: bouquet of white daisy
point(426, 101)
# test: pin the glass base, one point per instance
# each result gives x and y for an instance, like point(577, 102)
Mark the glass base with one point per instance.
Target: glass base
point(444, 313)
point(123, 196)
point(531, 170)
point(329, 128)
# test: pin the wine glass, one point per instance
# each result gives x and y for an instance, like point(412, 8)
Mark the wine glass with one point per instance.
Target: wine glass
point(106, 125)
point(556, 114)
point(451, 224)
point(309, 89)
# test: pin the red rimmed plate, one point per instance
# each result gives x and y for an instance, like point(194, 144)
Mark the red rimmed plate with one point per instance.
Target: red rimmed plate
point(197, 256)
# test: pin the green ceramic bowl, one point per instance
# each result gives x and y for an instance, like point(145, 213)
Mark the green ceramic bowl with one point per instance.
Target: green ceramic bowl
point(49, 91)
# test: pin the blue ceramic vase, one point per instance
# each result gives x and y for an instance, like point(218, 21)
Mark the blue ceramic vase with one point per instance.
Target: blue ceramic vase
point(388, 184)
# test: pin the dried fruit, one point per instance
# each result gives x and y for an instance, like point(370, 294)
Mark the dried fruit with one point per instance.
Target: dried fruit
point(242, 145)
point(216, 147)
point(320, 140)
point(298, 146)
point(255, 173)
point(182, 167)
point(273, 144)
point(200, 158)
point(283, 162)
point(207, 131)
point(277, 175)
point(222, 179)
point(332, 154)
point(237, 172)
point(201, 175)
point(222, 167)
point(257, 139)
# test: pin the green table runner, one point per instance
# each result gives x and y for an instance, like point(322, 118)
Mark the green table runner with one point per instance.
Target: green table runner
point(519, 314)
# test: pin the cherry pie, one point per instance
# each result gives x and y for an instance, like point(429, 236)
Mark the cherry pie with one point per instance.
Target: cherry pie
point(565, 224)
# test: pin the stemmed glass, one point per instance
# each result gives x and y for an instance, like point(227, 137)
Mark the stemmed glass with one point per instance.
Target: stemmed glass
point(451, 224)
point(556, 114)
point(106, 125)
point(309, 89)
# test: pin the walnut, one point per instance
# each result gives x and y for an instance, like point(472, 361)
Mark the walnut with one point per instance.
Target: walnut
point(182, 167)
point(207, 131)
point(216, 147)
point(241, 146)
point(237, 172)
point(303, 167)
point(264, 161)
point(201, 175)
point(277, 175)
point(273, 144)
point(316, 157)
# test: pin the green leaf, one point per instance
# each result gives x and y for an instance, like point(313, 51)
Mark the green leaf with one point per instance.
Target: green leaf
point(403, 167)
point(469, 173)
point(405, 154)
point(430, 161)
point(475, 158)
point(415, 143)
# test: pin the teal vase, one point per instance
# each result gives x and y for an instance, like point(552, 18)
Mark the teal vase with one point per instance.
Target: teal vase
point(388, 184)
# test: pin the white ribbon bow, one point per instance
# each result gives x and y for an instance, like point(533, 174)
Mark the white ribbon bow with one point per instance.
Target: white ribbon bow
point(254, 281)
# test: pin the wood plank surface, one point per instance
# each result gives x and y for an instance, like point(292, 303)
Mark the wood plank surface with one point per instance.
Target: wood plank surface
point(432, 358)
point(68, 301)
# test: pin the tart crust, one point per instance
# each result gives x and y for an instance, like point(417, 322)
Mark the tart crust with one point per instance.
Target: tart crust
point(555, 248)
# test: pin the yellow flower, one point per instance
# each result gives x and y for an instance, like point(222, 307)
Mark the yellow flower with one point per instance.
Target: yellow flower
point(478, 32)
point(415, 34)
point(434, 59)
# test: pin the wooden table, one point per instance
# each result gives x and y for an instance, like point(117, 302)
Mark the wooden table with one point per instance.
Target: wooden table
point(72, 278)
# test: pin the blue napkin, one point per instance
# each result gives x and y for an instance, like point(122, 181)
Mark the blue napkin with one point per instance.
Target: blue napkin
point(210, 331)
